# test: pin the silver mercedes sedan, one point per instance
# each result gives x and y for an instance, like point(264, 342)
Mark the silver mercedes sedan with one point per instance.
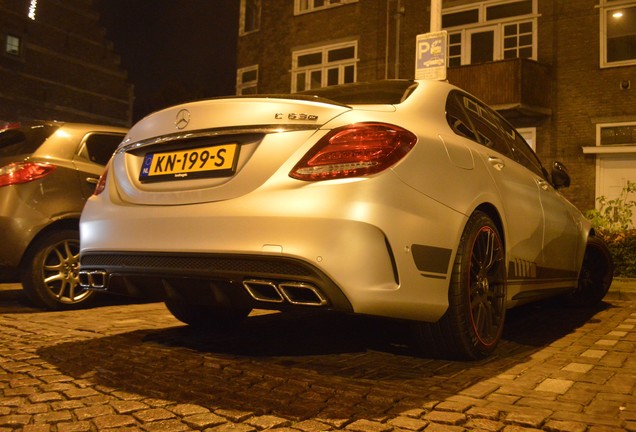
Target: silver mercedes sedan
point(403, 199)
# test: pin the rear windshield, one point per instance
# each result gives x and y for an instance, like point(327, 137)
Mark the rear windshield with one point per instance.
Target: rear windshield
point(367, 93)
point(24, 140)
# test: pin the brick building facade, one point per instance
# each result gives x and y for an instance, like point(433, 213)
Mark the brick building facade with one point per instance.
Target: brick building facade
point(56, 64)
point(563, 71)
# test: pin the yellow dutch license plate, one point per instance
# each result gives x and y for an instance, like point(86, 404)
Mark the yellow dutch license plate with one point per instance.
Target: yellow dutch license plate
point(212, 161)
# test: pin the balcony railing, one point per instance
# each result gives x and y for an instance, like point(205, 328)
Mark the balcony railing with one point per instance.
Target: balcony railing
point(516, 87)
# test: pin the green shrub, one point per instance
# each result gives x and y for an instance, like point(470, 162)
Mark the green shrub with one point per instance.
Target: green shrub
point(612, 220)
point(623, 250)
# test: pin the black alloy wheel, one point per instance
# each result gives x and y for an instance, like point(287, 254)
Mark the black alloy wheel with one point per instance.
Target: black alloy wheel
point(596, 275)
point(472, 326)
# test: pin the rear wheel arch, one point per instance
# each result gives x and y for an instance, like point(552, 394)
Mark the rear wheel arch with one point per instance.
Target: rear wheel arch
point(493, 213)
point(58, 225)
point(595, 275)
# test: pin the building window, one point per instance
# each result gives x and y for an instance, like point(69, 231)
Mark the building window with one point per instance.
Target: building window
point(491, 31)
point(13, 45)
point(618, 33)
point(247, 80)
point(305, 6)
point(612, 134)
point(530, 136)
point(326, 66)
point(250, 18)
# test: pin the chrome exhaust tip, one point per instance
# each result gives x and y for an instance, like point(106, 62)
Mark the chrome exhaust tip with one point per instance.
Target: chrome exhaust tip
point(96, 279)
point(299, 293)
point(265, 291)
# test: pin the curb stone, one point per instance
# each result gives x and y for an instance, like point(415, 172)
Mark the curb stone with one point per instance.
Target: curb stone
point(622, 289)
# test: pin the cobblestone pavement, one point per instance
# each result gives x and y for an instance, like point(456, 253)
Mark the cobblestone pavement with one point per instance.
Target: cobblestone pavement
point(122, 366)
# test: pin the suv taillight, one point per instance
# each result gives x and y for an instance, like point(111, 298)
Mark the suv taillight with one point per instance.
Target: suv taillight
point(23, 172)
point(355, 150)
point(101, 184)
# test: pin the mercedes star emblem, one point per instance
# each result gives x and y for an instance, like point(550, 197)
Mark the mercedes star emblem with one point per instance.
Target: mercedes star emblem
point(183, 118)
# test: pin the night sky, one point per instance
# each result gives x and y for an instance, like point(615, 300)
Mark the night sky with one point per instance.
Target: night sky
point(174, 50)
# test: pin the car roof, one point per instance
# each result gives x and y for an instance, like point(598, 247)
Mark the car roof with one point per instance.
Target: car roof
point(66, 137)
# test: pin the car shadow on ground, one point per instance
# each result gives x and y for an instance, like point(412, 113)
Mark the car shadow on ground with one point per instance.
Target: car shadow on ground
point(13, 300)
point(294, 365)
point(303, 334)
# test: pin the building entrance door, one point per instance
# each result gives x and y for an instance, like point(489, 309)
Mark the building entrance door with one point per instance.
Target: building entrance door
point(483, 45)
point(613, 172)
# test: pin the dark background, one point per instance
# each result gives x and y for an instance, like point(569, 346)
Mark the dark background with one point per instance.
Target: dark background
point(174, 50)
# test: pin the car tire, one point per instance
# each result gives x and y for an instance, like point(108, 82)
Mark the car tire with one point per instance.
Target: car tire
point(49, 272)
point(207, 316)
point(595, 277)
point(472, 326)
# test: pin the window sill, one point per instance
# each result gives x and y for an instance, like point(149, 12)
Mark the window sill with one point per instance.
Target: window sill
point(616, 149)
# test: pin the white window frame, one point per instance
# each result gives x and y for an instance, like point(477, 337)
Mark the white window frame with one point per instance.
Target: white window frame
point(600, 126)
point(497, 25)
point(309, 6)
point(242, 85)
point(610, 148)
point(530, 135)
point(242, 17)
point(606, 7)
point(466, 57)
point(323, 67)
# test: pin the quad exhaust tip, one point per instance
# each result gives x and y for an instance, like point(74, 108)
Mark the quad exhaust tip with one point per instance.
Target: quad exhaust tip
point(296, 293)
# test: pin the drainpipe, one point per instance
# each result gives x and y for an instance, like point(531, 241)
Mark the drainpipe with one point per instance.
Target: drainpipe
point(398, 18)
point(386, 45)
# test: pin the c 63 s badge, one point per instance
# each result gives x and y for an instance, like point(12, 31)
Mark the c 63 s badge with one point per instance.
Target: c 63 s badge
point(296, 116)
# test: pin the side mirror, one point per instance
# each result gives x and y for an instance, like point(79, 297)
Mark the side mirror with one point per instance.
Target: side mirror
point(560, 176)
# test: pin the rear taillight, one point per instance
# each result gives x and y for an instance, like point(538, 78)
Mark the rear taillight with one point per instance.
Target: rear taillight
point(23, 172)
point(101, 184)
point(355, 150)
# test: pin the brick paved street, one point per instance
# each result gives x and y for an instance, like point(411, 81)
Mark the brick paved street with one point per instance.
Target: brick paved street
point(133, 367)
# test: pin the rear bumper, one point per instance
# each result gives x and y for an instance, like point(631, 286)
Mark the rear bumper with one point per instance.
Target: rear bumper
point(365, 246)
point(243, 280)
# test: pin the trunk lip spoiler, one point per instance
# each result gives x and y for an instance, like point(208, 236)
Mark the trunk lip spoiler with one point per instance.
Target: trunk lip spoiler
point(215, 132)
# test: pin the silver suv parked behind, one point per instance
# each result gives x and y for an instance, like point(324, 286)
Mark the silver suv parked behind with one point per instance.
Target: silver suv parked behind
point(47, 171)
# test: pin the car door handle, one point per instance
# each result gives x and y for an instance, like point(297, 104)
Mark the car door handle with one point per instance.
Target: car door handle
point(92, 180)
point(497, 163)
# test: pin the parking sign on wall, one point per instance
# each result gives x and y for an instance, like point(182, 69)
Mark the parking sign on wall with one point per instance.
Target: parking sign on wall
point(430, 56)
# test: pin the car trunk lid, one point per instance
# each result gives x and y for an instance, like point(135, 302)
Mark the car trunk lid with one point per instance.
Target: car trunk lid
point(215, 149)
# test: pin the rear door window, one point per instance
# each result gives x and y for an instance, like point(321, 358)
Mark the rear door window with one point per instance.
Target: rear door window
point(99, 147)
point(487, 126)
point(24, 140)
point(457, 118)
